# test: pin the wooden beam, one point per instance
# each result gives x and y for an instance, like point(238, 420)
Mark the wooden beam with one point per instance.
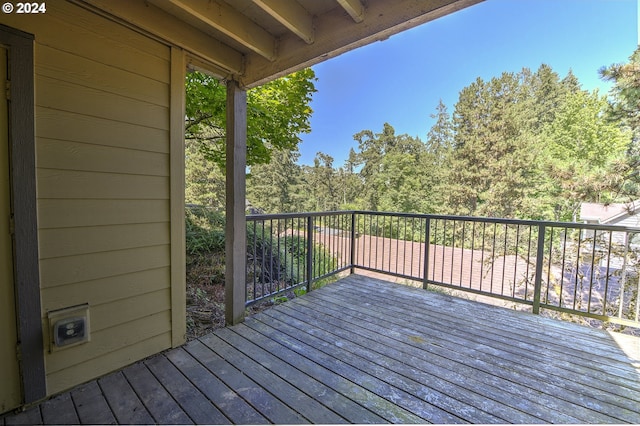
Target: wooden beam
point(336, 33)
point(231, 23)
point(291, 15)
point(177, 182)
point(236, 229)
point(354, 8)
point(145, 16)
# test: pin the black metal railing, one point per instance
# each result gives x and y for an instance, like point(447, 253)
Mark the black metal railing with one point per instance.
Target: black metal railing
point(568, 268)
point(286, 252)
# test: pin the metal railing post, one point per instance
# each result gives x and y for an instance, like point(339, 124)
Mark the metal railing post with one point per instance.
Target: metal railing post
point(537, 289)
point(309, 252)
point(353, 243)
point(427, 243)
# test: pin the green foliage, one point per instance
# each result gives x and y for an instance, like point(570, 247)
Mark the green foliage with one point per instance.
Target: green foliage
point(527, 145)
point(277, 113)
point(624, 109)
point(204, 230)
point(205, 183)
point(582, 150)
point(494, 148)
point(276, 187)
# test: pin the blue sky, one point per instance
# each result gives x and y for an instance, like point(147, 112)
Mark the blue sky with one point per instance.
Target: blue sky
point(401, 80)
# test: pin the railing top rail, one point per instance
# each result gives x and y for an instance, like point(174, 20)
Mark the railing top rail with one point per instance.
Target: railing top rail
point(574, 225)
point(252, 217)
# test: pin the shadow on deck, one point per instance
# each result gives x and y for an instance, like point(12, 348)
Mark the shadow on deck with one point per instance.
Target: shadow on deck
point(363, 350)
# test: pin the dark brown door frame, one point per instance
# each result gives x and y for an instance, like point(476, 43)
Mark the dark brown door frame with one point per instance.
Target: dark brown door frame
point(24, 208)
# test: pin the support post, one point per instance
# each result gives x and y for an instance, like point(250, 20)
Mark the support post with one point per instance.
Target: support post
point(353, 243)
point(236, 231)
point(537, 289)
point(427, 243)
point(309, 252)
point(177, 184)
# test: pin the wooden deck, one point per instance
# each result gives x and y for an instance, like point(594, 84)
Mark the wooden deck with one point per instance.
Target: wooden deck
point(364, 350)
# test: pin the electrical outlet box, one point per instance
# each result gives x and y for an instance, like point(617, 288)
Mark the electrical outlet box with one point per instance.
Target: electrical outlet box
point(69, 326)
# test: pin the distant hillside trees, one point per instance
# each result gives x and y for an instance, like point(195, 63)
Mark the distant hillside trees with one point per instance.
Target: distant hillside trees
point(528, 145)
point(521, 145)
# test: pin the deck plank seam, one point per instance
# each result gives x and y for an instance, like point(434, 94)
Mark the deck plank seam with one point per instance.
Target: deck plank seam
point(243, 391)
point(519, 350)
point(563, 328)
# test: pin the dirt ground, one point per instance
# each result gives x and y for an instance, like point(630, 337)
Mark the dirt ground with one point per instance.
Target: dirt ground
point(205, 295)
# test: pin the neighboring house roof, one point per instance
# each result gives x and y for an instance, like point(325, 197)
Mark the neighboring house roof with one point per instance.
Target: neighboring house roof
point(607, 213)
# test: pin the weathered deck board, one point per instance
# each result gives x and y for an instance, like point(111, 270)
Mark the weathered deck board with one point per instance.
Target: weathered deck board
point(91, 405)
point(210, 397)
point(363, 350)
point(342, 405)
point(162, 407)
point(264, 402)
point(440, 366)
point(125, 404)
point(59, 409)
point(200, 409)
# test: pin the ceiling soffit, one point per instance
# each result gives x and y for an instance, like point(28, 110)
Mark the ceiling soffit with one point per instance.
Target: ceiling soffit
point(254, 41)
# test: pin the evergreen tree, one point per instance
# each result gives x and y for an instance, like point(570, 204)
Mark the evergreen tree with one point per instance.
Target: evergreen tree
point(494, 152)
point(583, 147)
point(436, 161)
point(624, 109)
point(276, 187)
point(204, 182)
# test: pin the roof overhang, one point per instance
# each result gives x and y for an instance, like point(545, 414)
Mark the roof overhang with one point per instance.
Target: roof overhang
point(255, 41)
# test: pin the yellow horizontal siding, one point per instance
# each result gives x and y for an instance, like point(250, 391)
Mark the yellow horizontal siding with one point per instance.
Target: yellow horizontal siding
point(73, 269)
point(96, 367)
point(57, 154)
point(94, 239)
point(71, 29)
point(69, 126)
point(103, 183)
point(107, 290)
point(54, 183)
point(66, 213)
point(71, 97)
point(129, 310)
point(110, 339)
point(72, 68)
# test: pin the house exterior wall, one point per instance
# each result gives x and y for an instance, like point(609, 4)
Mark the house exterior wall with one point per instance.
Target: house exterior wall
point(632, 221)
point(104, 188)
